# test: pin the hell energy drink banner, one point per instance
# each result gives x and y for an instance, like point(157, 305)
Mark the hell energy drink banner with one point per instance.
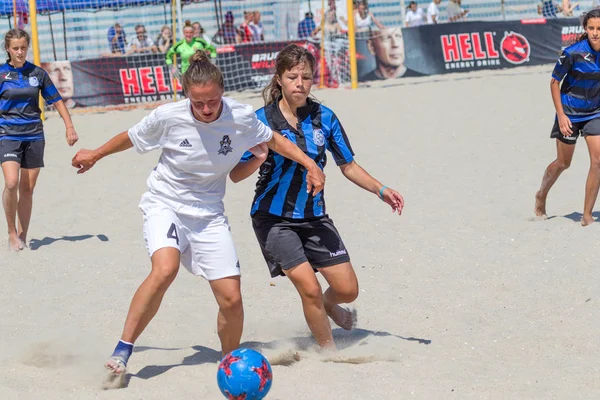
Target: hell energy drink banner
point(147, 78)
point(382, 54)
point(447, 48)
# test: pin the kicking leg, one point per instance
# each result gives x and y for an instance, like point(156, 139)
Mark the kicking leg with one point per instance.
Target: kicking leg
point(10, 169)
point(304, 279)
point(593, 180)
point(343, 288)
point(564, 155)
point(145, 304)
point(230, 320)
point(25, 203)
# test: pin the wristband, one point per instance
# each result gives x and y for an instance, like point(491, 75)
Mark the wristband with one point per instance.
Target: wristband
point(381, 192)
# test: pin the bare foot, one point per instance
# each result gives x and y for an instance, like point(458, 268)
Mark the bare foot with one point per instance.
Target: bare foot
point(585, 221)
point(540, 206)
point(115, 366)
point(343, 318)
point(23, 239)
point(14, 243)
point(115, 378)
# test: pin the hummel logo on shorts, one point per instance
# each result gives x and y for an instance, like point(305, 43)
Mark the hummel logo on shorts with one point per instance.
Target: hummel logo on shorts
point(185, 143)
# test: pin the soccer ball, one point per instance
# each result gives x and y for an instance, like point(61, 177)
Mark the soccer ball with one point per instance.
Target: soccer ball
point(244, 374)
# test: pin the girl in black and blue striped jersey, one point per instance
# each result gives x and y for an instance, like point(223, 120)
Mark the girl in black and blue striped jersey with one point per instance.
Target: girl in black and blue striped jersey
point(577, 104)
point(295, 234)
point(22, 132)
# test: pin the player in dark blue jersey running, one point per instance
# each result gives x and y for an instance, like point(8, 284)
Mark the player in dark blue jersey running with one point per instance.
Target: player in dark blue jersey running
point(295, 234)
point(22, 132)
point(577, 104)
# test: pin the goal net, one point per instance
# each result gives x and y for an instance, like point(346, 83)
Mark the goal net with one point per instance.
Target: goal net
point(116, 52)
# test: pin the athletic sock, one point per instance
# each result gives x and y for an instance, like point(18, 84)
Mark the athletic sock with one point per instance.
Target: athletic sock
point(123, 351)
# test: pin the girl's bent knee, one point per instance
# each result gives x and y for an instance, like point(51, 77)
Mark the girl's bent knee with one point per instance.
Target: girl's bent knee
point(164, 274)
point(232, 303)
point(312, 294)
point(348, 294)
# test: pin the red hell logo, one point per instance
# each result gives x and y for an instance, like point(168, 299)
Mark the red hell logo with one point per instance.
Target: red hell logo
point(468, 46)
point(145, 81)
point(515, 48)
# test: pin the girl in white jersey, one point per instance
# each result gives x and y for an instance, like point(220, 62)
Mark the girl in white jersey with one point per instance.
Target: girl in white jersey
point(202, 138)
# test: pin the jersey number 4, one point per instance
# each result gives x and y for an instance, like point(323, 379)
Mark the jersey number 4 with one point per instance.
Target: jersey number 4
point(172, 234)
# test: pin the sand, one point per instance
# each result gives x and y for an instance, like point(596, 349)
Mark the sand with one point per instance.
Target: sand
point(463, 296)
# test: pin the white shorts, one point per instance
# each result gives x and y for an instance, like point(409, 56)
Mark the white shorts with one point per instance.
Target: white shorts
point(205, 244)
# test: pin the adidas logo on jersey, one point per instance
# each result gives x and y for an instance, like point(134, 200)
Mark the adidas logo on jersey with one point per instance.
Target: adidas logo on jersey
point(185, 143)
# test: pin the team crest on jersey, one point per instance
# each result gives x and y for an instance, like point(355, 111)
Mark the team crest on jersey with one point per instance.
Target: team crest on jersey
point(318, 137)
point(225, 145)
point(33, 81)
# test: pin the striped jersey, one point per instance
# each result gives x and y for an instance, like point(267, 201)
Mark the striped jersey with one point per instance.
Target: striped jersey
point(281, 186)
point(20, 114)
point(579, 66)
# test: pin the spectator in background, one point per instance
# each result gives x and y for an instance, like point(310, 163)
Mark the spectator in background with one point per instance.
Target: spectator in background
point(245, 32)
point(165, 39)
point(363, 18)
point(414, 15)
point(185, 48)
point(433, 13)
point(62, 76)
point(200, 33)
point(568, 8)
point(257, 27)
point(342, 13)
point(334, 46)
point(331, 25)
point(141, 43)
point(549, 9)
point(455, 12)
point(307, 26)
point(117, 39)
point(227, 33)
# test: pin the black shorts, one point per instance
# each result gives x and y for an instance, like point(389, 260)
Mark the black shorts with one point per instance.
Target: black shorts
point(584, 128)
point(286, 243)
point(30, 154)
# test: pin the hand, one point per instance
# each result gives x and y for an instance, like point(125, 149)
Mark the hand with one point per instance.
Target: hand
point(72, 136)
point(260, 151)
point(315, 180)
point(175, 73)
point(394, 199)
point(565, 125)
point(84, 160)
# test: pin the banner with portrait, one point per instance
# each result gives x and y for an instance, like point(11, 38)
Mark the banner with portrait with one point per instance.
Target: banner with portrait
point(381, 54)
point(460, 47)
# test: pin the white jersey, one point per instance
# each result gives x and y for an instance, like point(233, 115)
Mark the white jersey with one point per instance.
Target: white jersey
point(433, 10)
point(197, 156)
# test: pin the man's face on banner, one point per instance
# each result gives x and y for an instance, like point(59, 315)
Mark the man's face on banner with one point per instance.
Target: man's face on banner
point(387, 45)
point(62, 77)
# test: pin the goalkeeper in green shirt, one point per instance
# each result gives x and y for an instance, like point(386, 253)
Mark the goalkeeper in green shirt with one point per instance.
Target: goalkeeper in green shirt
point(185, 48)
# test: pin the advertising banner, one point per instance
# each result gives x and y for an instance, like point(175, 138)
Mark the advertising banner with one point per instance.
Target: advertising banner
point(147, 78)
point(381, 54)
point(461, 47)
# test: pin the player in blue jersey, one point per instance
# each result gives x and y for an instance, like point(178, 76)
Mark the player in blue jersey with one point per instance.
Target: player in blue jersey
point(22, 132)
point(577, 104)
point(294, 231)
